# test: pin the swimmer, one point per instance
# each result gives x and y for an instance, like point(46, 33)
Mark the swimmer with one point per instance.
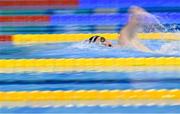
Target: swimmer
point(128, 35)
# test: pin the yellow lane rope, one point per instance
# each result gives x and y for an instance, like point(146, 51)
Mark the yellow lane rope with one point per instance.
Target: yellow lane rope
point(88, 64)
point(52, 38)
point(161, 61)
point(90, 95)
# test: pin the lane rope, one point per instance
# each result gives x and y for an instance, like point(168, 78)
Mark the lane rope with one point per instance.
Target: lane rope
point(53, 38)
point(90, 64)
point(90, 95)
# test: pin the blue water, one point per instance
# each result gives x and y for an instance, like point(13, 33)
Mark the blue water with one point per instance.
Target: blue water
point(89, 80)
point(96, 109)
point(32, 81)
point(84, 50)
point(127, 3)
point(91, 21)
point(110, 19)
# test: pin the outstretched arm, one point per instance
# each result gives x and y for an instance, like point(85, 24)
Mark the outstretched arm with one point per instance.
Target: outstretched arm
point(128, 35)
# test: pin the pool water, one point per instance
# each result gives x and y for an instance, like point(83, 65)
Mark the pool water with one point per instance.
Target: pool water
point(32, 81)
point(86, 16)
point(84, 50)
point(89, 81)
point(95, 109)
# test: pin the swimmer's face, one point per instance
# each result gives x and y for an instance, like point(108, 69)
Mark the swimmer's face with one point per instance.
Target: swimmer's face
point(100, 40)
point(106, 43)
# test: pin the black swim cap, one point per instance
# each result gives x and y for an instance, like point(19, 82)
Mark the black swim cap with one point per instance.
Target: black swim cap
point(93, 39)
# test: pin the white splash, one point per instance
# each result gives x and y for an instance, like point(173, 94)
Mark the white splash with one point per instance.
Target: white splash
point(172, 48)
point(79, 45)
point(151, 23)
point(85, 46)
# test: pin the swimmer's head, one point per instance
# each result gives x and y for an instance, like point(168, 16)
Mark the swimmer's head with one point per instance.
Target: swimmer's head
point(101, 40)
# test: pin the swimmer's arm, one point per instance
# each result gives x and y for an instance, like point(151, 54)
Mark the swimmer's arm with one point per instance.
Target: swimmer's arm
point(123, 37)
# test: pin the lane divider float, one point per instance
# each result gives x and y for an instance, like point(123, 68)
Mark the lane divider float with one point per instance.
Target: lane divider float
point(55, 38)
point(51, 38)
point(90, 95)
point(90, 64)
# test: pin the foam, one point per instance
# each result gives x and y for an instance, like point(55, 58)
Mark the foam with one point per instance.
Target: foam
point(171, 48)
